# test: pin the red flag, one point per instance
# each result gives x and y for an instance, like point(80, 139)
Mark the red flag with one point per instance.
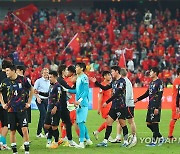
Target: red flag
point(74, 44)
point(122, 61)
point(24, 13)
point(111, 32)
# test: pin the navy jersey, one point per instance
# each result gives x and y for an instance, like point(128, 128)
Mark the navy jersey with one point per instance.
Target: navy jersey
point(155, 92)
point(4, 93)
point(17, 93)
point(54, 96)
point(119, 93)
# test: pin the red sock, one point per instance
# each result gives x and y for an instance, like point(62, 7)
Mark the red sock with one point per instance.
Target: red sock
point(63, 130)
point(103, 126)
point(77, 132)
point(171, 127)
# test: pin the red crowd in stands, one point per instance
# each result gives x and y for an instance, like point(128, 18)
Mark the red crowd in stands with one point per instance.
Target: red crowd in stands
point(147, 38)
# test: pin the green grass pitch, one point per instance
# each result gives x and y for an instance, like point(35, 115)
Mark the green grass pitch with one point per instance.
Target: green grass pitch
point(93, 121)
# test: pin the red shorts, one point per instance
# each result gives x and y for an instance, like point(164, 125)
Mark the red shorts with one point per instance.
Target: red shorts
point(175, 115)
point(73, 116)
point(104, 112)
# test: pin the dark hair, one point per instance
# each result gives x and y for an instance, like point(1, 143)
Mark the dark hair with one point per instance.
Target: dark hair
point(155, 70)
point(12, 67)
point(61, 68)
point(178, 71)
point(82, 65)
point(21, 68)
point(72, 69)
point(105, 73)
point(54, 73)
point(5, 63)
point(116, 68)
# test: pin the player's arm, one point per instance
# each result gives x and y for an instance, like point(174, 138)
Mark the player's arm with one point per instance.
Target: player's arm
point(30, 97)
point(146, 94)
point(73, 91)
point(4, 105)
point(159, 96)
point(64, 84)
point(100, 100)
point(2, 101)
point(36, 85)
point(57, 102)
point(27, 84)
point(115, 95)
point(109, 86)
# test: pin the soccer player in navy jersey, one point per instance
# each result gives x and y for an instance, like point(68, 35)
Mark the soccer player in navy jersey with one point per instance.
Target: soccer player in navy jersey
point(118, 108)
point(16, 104)
point(155, 92)
point(53, 111)
point(3, 112)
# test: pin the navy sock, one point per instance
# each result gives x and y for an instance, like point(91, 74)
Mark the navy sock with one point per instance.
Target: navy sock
point(108, 132)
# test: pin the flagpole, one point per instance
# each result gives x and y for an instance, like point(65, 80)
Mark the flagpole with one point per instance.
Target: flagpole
point(70, 41)
point(21, 21)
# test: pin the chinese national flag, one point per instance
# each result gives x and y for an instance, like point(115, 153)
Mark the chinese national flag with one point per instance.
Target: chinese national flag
point(24, 13)
point(122, 61)
point(111, 32)
point(74, 44)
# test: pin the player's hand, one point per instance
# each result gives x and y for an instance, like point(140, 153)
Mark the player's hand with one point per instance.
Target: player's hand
point(156, 111)
point(27, 105)
point(53, 111)
point(177, 110)
point(76, 103)
point(136, 100)
point(104, 105)
point(5, 106)
point(39, 100)
point(36, 92)
point(93, 79)
point(65, 89)
point(98, 111)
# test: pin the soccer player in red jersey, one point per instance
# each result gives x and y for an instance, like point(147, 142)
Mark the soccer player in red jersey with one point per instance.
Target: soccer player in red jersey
point(103, 97)
point(175, 104)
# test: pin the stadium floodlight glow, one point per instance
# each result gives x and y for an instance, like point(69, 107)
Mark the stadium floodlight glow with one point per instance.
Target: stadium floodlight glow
point(59, 0)
point(14, 0)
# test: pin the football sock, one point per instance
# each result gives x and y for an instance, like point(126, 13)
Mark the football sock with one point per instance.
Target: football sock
point(103, 126)
point(171, 127)
point(108, 132)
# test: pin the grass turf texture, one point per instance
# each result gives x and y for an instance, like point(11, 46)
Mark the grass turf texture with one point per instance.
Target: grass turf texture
point(38, 145)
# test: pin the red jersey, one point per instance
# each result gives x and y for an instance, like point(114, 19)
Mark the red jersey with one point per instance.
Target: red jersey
point(71, 84)
point(106, 94)
point(176, 83)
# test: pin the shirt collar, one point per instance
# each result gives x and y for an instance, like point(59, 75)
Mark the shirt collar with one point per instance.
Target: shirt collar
point(44, 79)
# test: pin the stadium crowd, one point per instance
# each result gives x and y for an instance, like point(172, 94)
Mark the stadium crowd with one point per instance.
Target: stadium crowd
point(148, 39)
